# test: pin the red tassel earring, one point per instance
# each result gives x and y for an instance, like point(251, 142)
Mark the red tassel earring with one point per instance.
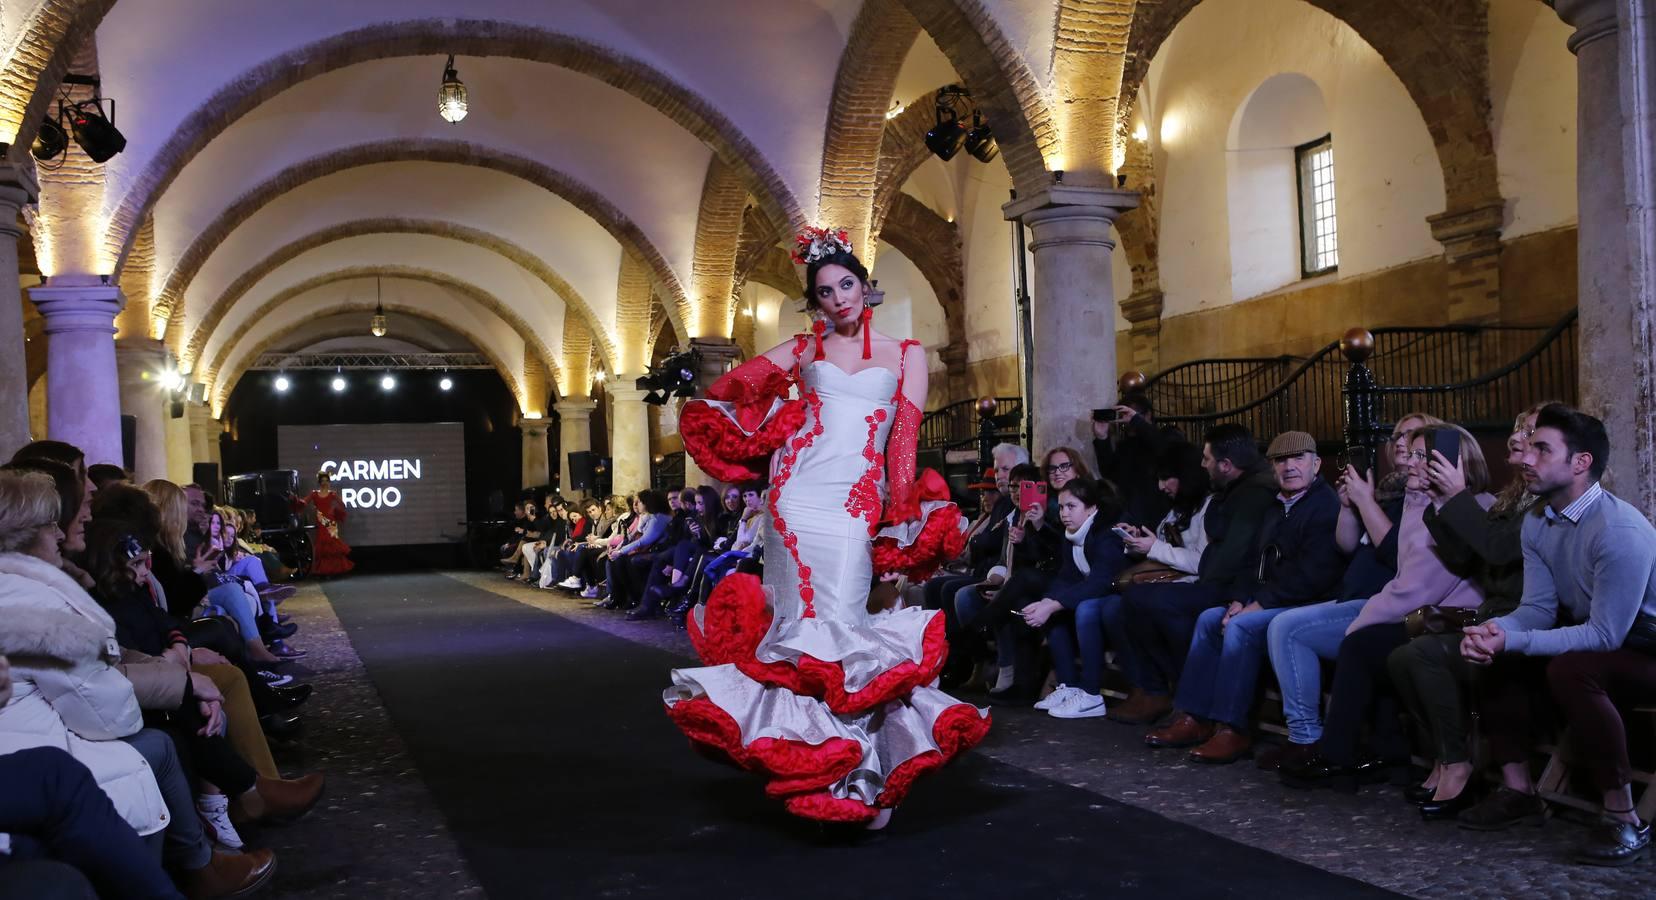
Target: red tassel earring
point(868, 346)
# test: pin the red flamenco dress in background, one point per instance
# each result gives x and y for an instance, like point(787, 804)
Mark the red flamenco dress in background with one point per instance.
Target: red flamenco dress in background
point(333, 555)
point(837, 706)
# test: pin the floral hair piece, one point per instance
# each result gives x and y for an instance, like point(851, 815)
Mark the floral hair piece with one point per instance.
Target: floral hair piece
point(813, 244)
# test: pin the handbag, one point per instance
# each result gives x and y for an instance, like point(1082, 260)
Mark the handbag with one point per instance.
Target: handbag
point(1439, 620)
point(1642, 636)
point(1147, 572)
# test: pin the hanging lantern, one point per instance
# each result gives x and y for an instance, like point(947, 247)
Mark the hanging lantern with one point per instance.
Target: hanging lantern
point(376, 325)
point(451, 97)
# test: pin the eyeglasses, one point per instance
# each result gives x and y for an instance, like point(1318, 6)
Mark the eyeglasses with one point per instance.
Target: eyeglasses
point(1399, 436)
point(1060, 467)
point(1417, 456)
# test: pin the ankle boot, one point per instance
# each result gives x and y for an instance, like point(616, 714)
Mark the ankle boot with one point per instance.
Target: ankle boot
point(230, 875)
point(281, 799)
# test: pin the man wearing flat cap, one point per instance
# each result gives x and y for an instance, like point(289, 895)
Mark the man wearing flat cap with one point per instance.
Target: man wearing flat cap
point(1298, 562)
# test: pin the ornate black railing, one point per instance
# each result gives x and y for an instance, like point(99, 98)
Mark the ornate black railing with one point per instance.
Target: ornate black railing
point(1274, 394)
point(958, 426)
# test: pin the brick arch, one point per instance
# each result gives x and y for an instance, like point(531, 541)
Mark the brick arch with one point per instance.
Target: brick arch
point(462, 37)
point(1002, 84)
point(531, 263)
point(345, 331)
point(515, 383)
point(934, 246)
point(902, 150)
point(881, 38)
point(724, 202)
point(29, 84)
point(483, 298)
point(1438, 49)
point(623, 229)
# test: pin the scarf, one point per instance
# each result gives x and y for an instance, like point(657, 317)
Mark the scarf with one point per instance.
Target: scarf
point(1078, 537)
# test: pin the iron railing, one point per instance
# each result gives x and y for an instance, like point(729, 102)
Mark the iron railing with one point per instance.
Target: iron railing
point(958, 426)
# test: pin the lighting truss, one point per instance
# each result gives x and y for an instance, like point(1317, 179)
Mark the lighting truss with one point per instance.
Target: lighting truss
point(337, 361)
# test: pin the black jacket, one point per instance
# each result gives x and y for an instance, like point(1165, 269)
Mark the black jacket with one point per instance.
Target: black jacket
point(1486, 544)
point(1232, 523)
point(1298, 560)
point(1106, 557)
point(987, 547)
point(1130, 465)
point(184, 588)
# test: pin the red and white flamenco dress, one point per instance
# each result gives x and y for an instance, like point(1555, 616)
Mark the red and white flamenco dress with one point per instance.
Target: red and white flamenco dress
point(837, 706)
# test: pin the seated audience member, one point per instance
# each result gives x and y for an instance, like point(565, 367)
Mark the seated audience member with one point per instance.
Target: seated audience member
point(1299, 563)
point(669, 581)
point(1069, 613)
point(85, 698)
point(1589, 607)
point(1433, 678)
point(655, 516)
point(103, 475)
point(514, 533)
point(629, 581)
point(602, 523)
point(746, 541)
point(1126, 450)
point(1162, 617)
point(729, 515)
point(549, 570)
point(53, 808)
point(985, 548)
point(630, 521)
point(1424, 582)
point(1026, 571)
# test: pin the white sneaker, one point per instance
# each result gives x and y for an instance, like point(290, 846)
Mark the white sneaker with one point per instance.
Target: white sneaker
point(214, 810)
point(572, 583)
point(1054, 698)
point(1078, 704)
point(1003, 681)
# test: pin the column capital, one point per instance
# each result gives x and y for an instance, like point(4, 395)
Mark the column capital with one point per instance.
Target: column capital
point(18, 188)
point(533, 428)
point(1466, 233)
point(1061, 201)
point(1591, 19)
point(78, 307)
point(1142, 306)
point(628, 394)
point(578, 407)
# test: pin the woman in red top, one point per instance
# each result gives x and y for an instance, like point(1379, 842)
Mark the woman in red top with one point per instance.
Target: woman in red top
point(333, 556)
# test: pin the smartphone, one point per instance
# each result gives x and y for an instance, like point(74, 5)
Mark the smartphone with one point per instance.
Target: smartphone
point(1122, 532)
point(1446, 441)
point(1032, 493)
point(1360, 459)
point(1105, 415)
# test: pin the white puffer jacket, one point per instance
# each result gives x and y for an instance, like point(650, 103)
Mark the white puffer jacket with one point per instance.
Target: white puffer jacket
point(65, 693)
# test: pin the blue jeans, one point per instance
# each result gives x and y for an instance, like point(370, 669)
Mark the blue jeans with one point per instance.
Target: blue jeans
point(1221, 670)
point(1160, 620)
point(968, 603)
point(231, 600)
point(52, 801)
point(186, 845)
point(1085, 628)
point(1300, 640)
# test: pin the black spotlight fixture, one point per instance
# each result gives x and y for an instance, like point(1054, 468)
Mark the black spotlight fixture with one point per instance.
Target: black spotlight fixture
point(945, 138)
point(50, 141)
point(94, 132)
point(675, 377)
point(980, 141)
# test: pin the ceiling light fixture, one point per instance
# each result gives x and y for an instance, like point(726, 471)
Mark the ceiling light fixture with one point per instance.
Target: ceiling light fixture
point(980, 141)
point(50, 141)
point(446, 384)
point(338, 384)
point(451, 97)
point(377, 325)
point(94, 132)
point(282, 384)
point(387, 382)
point(945, 138)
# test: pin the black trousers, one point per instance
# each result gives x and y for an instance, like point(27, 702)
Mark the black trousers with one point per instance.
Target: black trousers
point(1160, 621)
point(1361, 683)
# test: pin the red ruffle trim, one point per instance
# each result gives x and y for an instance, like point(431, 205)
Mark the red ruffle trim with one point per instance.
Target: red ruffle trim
point(796, 766)
point(722, 450)
point(958, 729)
point(939, 541)
point(825, 807)
point(737, 619)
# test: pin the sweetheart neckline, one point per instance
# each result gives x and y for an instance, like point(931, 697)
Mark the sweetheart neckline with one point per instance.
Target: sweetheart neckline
point(836, 366)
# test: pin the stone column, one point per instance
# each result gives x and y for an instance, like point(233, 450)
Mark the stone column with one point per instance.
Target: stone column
point(953, 355)
point(17, 188)
point(715, 357)
point(179, 461)
point(536, 471)
point(1471, 240)
point(139, 362)
point(204, 439)
point(1073, 307)
point(1609, 345)
point(83, 404)
point(629, 437)
point(1144, 310)
point(574, 436)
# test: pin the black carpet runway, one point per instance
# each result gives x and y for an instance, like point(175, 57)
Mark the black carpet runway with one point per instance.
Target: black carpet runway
point(544, 744)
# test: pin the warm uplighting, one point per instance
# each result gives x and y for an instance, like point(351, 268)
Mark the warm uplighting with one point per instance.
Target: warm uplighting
point(531, 415)
point(451, 97)
point(1141, 133)
point(600, 376)
point(897, 109)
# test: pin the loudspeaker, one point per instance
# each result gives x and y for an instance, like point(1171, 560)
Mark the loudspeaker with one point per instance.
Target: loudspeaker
point(207, 475)
point(129, 443)
point(580, 471)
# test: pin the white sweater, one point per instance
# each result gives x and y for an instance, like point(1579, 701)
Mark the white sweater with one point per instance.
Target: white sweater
point(1194, 539)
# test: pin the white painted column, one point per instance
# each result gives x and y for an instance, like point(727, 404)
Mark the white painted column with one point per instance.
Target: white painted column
point(715, 357)
point(1073, 307)
point(139, 362)
point(536, 470)
point(204, 438)
point(180, 468)
point(83, 389)
point(629, 438)
point(574, 436)
point(17, 188)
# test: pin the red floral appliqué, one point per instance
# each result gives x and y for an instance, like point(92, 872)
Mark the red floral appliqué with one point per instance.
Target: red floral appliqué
point(785, 471)
point(864, 502)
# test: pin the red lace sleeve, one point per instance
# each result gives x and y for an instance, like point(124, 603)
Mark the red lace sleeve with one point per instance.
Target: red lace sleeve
point(902, 446)
point(747, 415)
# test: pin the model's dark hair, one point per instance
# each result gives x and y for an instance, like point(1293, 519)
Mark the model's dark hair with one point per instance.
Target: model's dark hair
point(70, 487)
point(838, 258)
point(1233, 442)
point(1582, 434)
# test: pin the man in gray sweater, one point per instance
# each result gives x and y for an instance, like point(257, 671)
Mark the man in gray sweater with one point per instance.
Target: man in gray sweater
point(1589, 574)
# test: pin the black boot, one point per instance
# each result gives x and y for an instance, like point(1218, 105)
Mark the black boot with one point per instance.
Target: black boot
point(649, 607)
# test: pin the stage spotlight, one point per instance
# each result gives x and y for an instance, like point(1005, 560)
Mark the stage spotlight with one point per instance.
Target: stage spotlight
point(50, 141)
point(945, 139)
point(388, 383)
point(338, 384)
point(95, 133)
point(282, 384)
point(446, 384)
point(980, 141)
point(655, 398)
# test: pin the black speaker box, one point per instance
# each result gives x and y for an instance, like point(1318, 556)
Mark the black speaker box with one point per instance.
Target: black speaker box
point(129, 443)
point(580, 471)
point(207, 475)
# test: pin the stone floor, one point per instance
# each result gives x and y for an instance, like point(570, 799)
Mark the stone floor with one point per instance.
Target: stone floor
point(379, 835)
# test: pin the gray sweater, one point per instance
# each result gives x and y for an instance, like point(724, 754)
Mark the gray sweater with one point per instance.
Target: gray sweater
point(1584, 582)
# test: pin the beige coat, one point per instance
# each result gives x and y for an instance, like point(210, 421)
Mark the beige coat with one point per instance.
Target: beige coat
point(65, 692)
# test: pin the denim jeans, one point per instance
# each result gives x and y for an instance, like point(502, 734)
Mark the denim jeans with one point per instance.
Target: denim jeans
point(1221, 670)
point(1160, 619)
point(186, 845)
point(968, 603)
point(231, 600)
point(1084, 629)
point(251, 568)
point(1299, 640)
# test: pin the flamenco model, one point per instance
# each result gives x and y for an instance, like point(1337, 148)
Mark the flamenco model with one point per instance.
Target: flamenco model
point(333, 555)
point(837, 706)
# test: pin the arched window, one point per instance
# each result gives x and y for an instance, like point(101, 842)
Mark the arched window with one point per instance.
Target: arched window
point(1280, 186)
point(1319, 234)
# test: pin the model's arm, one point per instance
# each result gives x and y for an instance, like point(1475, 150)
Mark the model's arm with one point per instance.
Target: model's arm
point(904, 440)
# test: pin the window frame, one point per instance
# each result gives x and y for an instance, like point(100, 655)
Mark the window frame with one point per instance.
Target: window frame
point(1307, 238)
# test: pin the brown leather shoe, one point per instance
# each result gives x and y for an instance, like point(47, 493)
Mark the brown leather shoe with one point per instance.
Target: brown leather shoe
point(230, 875)
point(1226, 746)
point(1285, 756)
point(1141, 708)
point(279, 798)
point(1184, 731)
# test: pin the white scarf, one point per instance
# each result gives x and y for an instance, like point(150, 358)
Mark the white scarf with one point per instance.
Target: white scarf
point(1078, 537)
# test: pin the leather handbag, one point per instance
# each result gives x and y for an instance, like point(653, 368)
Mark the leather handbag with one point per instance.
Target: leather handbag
point(1642, 636)
point(1439, 620)
point(1147, 572)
